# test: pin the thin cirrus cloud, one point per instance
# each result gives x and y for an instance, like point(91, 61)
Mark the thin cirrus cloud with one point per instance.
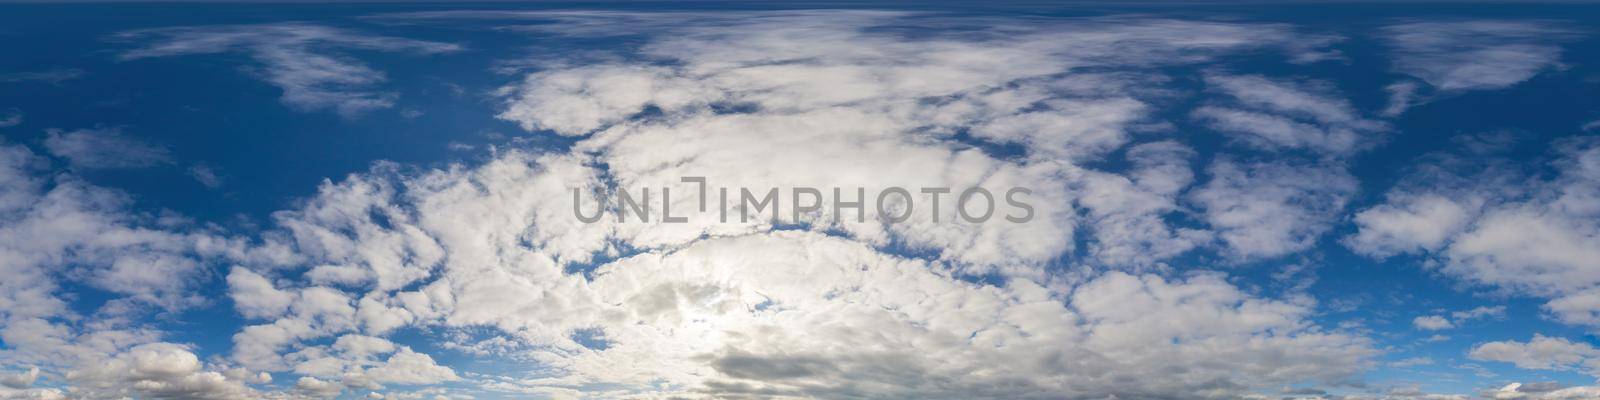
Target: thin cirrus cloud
point(1459, 56)
point(103, 148)
point(51, 76)
point(13, 118)
point(1476, 55)
point(303, 60)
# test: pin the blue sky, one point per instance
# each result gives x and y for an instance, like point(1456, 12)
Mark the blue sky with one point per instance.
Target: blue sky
point(1320, 201)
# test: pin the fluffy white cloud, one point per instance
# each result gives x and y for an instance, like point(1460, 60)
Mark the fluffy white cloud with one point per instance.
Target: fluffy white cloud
point(1409, 223)
point(156, 370)
point(735, 102)
point(1432, 323)
point(1507, 229)
point(301, 59)
point(492, 255)
point(61, 230)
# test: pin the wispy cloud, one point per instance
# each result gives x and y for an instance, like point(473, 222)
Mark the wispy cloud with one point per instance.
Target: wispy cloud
point(104, 148)
point(53, 76)
point(304, 60)
point(1476, 55)
point(13, 118)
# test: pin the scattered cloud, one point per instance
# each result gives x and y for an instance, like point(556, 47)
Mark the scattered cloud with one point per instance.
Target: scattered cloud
point(1272, 115)
point(63, 231)
point(1532, 235)
point(1439, 322)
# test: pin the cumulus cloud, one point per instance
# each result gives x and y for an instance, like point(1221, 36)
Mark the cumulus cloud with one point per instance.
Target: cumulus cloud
point(1501, 227)
point(734, 316)
point(490, 257)
point(1542, 352)
point(104, 148)
point(304, 60)
point(1440, 322)
point(1432, 323)
point(491, 254)
point(917, 113)
point(61, 230)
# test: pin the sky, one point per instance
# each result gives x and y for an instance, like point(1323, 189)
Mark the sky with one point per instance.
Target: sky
point(1206, 201)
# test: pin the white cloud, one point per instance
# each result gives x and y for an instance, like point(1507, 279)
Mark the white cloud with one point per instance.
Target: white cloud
point(1432, 323)
point(1543, 352)
point(1475, 55)
point(301, 59)
point(1266, 210)
point(742, 309)
point(1402, 96)
point(104, 148)
point(1272, 114)
point(62, 231)
point(1409, 224)
point(156, 370)
point(205, 175)
point(1520, 391)
point(1480, 312)
point(1126, 212)
point(739, 309)
point(1523, 233)
point(20, 380)
point(736, 102)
